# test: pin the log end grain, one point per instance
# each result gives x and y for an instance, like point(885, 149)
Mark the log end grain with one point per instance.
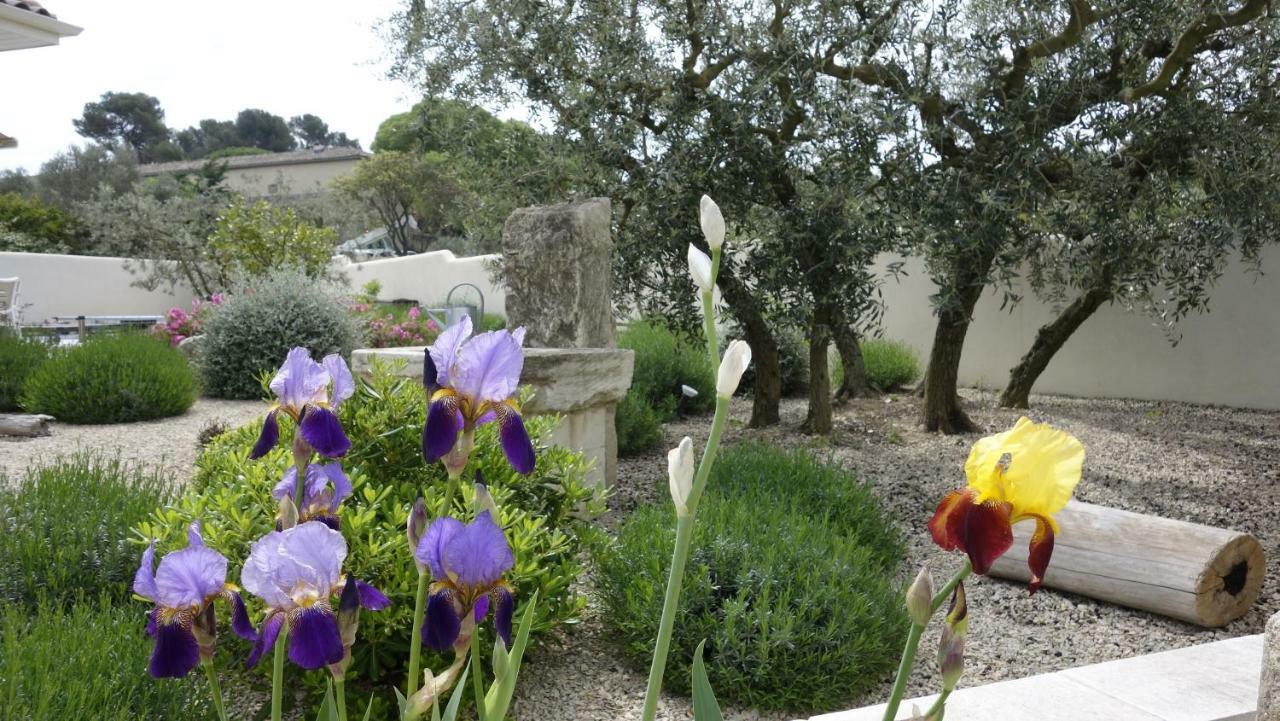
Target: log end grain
point(1231, 582)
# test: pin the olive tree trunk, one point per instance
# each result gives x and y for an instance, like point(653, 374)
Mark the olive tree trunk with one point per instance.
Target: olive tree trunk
point(854, 384)
point(818, 421)
point(940, 409)
point(767, 390)
point(1049, 340)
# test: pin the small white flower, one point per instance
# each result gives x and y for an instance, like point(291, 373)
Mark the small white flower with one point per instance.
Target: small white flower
point(680, 473)
point(700, 268)
point(736, 359)
point(712, 222)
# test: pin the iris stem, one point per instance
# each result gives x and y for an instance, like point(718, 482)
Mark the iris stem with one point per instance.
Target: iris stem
point(215, 690)
point(340, 688)
point(415, 642)
point(684, 524)
point(277, 672)
point(938, 705)
point(913, 642)
point(477, 681)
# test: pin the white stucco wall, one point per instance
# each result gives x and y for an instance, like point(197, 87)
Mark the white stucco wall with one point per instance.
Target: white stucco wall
point(428, 277)
point(1227, 356)
point(83, 285)
point(297, 179)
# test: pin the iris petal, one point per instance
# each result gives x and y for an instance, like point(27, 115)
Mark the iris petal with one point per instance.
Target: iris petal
point(144, 579)
point(430, 374)
point(982, 530)
point(240, 622)
point(1040, 552)
point(441, 429)
point(314, 640)
point(444, 352)
point(431, 546)
point(266, 639)
point(344, 385)
point(515, 440)
point(502, 614)
point(478, 555)
point(176, 651)
point(267, 439)
point(441, 625)
point(322, 430)
point(371, 598)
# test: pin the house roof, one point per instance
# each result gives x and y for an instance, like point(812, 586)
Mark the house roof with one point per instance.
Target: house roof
point(292, 157)
point(7, 142)
point(28, 24)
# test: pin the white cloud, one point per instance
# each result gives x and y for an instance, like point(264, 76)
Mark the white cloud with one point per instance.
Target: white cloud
point(202, 60)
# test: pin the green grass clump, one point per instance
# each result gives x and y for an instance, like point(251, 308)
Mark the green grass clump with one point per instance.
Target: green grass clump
point(890, 364)
point(664, 361)
point(19, 358)
point(790, 582)
point(64, 529)
point(88, 662)
point(113, 378)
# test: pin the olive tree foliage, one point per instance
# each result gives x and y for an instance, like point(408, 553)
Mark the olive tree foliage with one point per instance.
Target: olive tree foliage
point(416, 196)
point(1013, 107)
point(672, 100)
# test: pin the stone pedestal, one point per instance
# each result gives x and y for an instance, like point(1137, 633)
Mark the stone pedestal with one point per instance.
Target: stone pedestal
point(1269, 685)
point(581, 385)
point(557, 269)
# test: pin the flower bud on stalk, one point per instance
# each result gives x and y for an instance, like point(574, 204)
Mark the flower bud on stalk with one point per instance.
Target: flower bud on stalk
point(348, 622)
point(680, 474)
point(920, 598)
point(736, 359)
point(433, 689)
point(712, 222)
point(288, 516)
point(484, 500)
point(951, 646)
point(417, 523)
point(700, 269)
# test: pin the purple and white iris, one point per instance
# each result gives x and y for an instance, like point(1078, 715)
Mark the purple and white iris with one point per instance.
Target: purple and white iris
point(471, 381)
point(310, 393)
point(324, 491)
point(296, 573)
point(184, 588)
point(467, 563)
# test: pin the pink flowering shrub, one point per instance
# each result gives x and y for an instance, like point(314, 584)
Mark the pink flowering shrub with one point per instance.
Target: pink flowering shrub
point(180, 324)
point(390, 330)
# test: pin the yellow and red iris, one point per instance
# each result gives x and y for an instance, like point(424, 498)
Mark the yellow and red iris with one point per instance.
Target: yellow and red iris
point(1026, 473)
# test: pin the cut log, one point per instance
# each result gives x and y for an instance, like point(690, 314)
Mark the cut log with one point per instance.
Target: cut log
point(1199, 574)
point(18, 424)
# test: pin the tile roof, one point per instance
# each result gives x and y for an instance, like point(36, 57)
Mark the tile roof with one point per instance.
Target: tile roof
point(291, 157)
point(31, 5)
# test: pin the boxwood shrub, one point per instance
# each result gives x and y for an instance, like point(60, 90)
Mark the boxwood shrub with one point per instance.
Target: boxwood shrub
point(88, 662)
point(890, 364)
point(64, 529)
point(258, 323)
point(664, 361)
point(543, 513)
point(19, 358)
point(639, 426)
point(112, 378)
point(790, 582)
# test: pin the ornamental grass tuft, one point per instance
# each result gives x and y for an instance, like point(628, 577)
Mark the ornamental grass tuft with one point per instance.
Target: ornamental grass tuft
point(790, 582)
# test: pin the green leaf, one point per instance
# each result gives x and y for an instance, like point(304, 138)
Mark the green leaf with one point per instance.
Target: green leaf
point(498, 699)
point(705, 707)
point(501, 659)
point(368, 711)
point(401, 701)
point(451, 711)
point(329, 707)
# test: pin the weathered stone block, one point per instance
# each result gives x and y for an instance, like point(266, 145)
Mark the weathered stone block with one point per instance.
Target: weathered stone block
point(1269, 685)
point(557, 272)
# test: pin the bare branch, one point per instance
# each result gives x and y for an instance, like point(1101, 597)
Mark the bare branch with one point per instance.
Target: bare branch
point(1191, 43)
point(1082, 16)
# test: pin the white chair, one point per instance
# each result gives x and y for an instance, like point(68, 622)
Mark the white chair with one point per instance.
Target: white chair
point(9, 304)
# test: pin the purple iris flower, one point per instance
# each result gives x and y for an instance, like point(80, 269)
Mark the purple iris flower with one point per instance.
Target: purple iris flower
point(303, 388)
point(184, 588)
point(325, 489)
point(470, 381)
point(297, 572)
point(467, 564)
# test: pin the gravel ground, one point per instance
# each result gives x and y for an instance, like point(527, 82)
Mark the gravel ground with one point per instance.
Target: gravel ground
point(1217, 466)
point(168, 442)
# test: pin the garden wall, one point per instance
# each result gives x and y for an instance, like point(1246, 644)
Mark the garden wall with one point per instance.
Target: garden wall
point(86, 285)
point(1225, 357)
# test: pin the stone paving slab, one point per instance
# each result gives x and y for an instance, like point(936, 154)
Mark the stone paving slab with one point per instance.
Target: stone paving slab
point(1211, 682)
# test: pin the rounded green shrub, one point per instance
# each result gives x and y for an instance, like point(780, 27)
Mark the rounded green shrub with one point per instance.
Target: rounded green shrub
point(890, 364)
point(258, 323)
point(64, 529)
point(638, 425)
point(113, 378)
point(789, 583)
point(88, 662)
point(665, 361)
point(543, 513)
point(19, 358)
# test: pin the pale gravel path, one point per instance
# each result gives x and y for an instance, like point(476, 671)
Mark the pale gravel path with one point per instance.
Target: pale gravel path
point(1209, 465)
point(168, 442)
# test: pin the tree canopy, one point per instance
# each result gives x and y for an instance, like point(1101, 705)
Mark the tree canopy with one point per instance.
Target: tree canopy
point(135, 120)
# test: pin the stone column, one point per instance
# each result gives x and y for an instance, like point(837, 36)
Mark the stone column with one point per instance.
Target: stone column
point(1269, 685)
point(557, 265)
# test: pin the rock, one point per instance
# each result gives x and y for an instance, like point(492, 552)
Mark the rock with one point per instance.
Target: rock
point(571, 379)
point(192, 347)
point(557, 269)
point(1269, 685)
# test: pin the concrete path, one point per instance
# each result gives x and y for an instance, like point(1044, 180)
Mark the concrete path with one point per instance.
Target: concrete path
point(1211, 682)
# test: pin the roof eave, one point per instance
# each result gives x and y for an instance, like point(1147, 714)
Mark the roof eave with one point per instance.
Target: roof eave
point(42, 29)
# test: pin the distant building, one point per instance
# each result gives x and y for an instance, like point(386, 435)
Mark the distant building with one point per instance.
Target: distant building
point(25, 24)
point(296, 172)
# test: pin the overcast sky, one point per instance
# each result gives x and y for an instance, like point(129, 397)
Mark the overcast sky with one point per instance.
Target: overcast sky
point(202, 60)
